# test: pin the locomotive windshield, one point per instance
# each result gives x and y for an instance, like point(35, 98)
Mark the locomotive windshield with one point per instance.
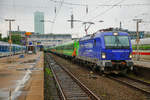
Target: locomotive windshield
point(116, 42)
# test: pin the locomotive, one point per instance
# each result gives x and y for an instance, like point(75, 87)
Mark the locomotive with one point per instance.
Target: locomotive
point(109, 52)
point(144, 49)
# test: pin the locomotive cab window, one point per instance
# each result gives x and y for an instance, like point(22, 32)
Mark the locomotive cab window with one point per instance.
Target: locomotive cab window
point(116, 42)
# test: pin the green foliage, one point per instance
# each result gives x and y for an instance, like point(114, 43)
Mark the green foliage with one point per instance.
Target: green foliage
point(5, 39)
point(16, 39)
point(48, 71)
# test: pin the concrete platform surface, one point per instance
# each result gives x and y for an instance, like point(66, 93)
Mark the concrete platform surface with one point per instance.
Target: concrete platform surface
point(145, 64)
point(23, 78)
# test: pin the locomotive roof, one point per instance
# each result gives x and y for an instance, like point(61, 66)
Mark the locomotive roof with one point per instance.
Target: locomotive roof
point(99, 34)
point(110, 33)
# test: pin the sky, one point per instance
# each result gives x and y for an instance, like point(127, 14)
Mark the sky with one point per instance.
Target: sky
point(111, 12)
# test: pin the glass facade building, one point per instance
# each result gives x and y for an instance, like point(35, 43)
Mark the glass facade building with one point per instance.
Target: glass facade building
point(38, 24)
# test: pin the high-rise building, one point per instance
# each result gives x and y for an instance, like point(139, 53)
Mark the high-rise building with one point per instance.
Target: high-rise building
point(38, 24)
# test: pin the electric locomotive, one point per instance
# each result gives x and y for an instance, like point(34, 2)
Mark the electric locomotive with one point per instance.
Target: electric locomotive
point(110, 52)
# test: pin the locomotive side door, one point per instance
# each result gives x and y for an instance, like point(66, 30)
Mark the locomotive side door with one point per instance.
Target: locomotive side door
point(97, 50)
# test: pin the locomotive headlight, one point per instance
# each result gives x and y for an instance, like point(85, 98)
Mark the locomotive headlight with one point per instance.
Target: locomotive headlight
point(115, 33)
point(130, 56)
point(103, 55)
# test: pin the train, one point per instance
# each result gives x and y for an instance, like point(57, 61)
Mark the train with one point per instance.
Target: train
point(144, 49)
point(5, 51)
point(108, 51)
point(144, 44)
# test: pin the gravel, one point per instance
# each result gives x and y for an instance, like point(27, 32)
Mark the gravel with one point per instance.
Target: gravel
point(103, 87)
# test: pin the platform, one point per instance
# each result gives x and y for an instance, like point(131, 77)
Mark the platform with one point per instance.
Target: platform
point(23, 77)
point(141, 63)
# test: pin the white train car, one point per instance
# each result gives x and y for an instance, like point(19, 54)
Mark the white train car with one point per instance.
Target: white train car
point(144, 49)
point(145, 41)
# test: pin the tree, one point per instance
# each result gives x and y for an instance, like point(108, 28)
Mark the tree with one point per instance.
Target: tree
point(16, 39)
point(5, 39)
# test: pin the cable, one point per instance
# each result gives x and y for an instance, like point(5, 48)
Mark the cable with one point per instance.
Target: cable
point(67, 3)
point(127, 5)
point(96, 8)
point(54, 20)
point(102, 13)
point(23, 6)
point(119, 5)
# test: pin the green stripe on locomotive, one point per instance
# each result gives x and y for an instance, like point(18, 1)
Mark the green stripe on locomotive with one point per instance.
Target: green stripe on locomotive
point(76, 47)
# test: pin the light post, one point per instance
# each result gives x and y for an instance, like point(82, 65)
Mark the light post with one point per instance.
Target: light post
point(137, 38)
point(10, 40)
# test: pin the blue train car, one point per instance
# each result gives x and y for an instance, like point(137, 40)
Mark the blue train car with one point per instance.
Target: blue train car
point(107, 51)
point(5, 49)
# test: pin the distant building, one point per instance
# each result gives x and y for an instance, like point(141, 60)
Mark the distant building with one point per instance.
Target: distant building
point(48, 40)
point(38, 24)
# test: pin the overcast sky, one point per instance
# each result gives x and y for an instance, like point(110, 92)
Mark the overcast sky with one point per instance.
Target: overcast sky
point(23, 12)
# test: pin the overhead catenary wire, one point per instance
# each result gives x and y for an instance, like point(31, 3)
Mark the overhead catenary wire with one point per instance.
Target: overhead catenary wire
point(79, 4)
point(56, 14)
point(67, 3)
point(98, 5)
point(105, 11)
point(93, 10)
point(120, 5)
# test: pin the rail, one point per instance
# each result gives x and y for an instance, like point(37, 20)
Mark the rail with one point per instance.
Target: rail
point(70, 88)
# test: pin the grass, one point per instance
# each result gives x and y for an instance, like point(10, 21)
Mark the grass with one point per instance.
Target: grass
point(48, 71)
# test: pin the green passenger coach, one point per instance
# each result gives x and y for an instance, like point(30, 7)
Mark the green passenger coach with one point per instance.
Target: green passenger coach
point(69, 49)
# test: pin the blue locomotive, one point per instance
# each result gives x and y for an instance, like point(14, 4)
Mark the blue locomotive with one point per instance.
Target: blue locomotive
point(110, 52)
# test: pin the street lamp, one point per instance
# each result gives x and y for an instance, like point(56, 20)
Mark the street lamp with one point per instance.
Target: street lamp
point(10, 41)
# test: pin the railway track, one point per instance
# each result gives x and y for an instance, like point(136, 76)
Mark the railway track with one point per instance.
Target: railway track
point(133, 83)
point(69, 86)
